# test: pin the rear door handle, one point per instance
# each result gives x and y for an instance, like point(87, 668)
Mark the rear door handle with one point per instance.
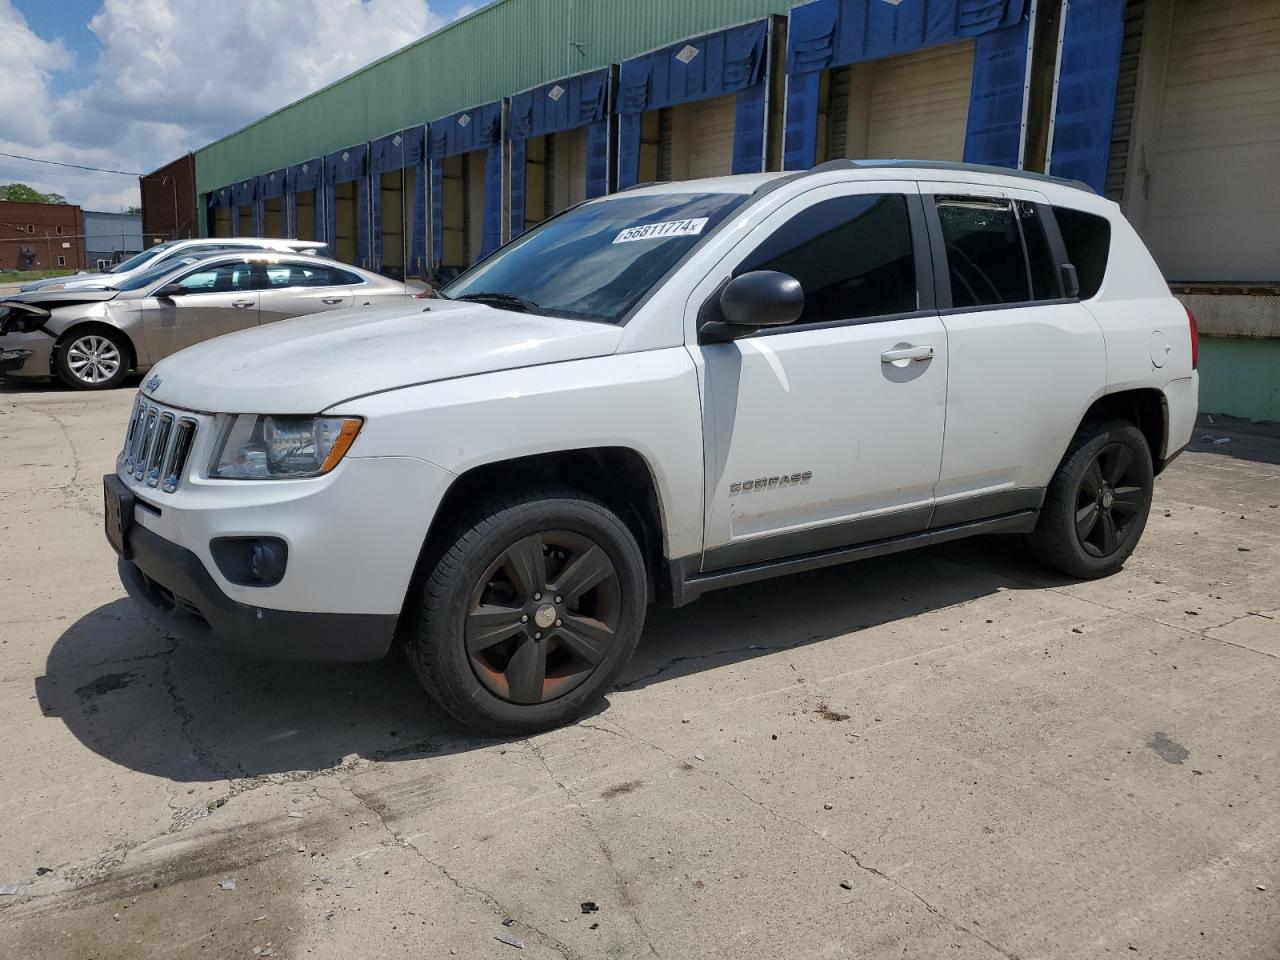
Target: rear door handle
point(907, 353)
point(241, 304)
point(332, 300)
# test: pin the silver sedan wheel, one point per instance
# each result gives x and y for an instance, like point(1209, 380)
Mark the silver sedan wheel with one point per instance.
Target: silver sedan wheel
point(93, 359)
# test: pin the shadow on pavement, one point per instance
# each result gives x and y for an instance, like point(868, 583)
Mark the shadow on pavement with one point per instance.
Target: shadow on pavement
point(191, 714)
point(1237, 439)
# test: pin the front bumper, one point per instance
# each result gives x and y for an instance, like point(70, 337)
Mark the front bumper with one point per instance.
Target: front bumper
point(26, 354)
point(176, 590)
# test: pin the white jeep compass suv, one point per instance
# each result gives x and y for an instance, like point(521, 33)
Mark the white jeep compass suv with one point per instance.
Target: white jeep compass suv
point(661, 392)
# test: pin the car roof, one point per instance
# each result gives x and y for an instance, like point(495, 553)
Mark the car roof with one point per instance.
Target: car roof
point(256, 242)
point(270, 256)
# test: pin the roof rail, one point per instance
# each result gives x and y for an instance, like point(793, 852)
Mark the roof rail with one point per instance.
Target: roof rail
point(951, 165)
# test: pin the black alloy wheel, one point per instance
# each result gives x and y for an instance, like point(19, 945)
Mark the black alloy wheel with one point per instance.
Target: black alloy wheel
point(543, 617)
point(1097, 503)
point(1110, 498)
point(528, 612)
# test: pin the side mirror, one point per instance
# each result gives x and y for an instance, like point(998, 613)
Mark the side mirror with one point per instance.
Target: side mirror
point(1070, 281)
point(761, 298)
point(170, 290)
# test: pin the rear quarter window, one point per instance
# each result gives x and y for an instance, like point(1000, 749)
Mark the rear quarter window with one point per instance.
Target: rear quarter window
point(1087, 238)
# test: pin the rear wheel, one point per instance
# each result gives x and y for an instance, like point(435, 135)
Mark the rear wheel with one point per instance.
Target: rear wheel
point(1097, 504)
point(96, 358)
point(528, 617)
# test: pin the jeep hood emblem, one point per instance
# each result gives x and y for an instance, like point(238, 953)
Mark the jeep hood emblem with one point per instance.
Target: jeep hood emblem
point(153, 384)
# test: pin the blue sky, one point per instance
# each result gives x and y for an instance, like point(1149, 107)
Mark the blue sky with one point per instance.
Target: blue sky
point(132, 84)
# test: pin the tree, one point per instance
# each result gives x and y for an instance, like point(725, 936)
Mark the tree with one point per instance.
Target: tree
point(21, 193)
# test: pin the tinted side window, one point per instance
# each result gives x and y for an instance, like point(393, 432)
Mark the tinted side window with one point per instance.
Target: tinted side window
point(1088, 241)
point(984, 252)
point(297, 275)
point(852, 255)
point(225, 278)
point(1045, 284)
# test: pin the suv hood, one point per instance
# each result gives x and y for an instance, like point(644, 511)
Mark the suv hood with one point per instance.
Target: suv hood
point(308, 364)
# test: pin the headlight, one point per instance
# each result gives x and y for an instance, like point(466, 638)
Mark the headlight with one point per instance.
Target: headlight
point(282, 448)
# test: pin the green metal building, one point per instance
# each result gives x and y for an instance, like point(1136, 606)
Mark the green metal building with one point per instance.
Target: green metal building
point(433, 155)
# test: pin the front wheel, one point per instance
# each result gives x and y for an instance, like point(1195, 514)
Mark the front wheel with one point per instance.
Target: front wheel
point(530, 614)
point(94, 359)
point(1097, 504)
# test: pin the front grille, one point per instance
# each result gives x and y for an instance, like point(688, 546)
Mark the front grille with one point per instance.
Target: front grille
point(157, 445)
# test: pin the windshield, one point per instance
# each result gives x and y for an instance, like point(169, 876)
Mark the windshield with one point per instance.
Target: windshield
point(152, 274)
point(597, 261)
point(138, 259)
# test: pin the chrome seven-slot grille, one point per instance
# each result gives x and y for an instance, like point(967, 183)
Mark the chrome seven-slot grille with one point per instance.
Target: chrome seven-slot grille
point(157, 445)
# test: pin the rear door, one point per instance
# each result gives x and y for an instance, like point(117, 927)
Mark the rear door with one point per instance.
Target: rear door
point(827, 432)
point(216, 298)
point(295, 288)
point(1026, 362)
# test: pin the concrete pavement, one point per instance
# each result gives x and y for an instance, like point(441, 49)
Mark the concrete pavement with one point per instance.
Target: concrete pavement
point(947, 753)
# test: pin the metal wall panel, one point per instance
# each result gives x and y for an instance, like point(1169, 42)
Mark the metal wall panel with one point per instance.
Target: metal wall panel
point(457, 67)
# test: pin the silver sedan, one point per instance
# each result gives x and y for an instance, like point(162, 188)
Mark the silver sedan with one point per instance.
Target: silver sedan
point(92, 339)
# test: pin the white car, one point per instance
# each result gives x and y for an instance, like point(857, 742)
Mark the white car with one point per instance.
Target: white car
point(169, 252)
point(658, 393)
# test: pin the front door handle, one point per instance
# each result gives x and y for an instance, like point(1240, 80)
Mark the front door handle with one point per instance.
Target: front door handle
point(242, 304)
point(331, 300)
point(898, 354)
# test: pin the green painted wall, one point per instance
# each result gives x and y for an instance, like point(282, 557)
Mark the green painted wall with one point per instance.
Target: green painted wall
point(1240, 377)
point(506, 47)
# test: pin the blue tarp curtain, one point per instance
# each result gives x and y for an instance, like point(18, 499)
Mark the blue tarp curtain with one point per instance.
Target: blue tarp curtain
point(347, 166)
point(308, 175)
point(477, 129)
point(215, 199)
point(580, 101)
point(400, 151)
point(835, 33)
point(245, 193)
point(728, 61)
point(1089, 73)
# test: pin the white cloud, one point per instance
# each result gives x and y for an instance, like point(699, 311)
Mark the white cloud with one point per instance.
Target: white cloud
point(172, 75)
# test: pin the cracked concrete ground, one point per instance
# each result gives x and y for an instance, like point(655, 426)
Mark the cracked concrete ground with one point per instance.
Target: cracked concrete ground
point(947, 753)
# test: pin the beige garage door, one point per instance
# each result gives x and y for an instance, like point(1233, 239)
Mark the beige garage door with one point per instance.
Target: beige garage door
point(1215, 180)
point(568, 168)
point(911, 107)
point(701, 138)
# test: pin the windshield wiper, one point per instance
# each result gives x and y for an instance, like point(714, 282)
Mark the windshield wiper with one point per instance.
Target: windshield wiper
point(503, 301)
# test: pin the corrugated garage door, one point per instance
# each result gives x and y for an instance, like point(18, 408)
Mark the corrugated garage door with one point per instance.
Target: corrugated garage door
point(911, 107)
point(1126, 90)
point(920, 104)
point(1215, 204)
point(569, 165)
point(710, 136)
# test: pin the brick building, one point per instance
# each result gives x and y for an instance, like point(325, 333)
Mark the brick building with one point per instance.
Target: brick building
point(169, 202)
point(41, 236)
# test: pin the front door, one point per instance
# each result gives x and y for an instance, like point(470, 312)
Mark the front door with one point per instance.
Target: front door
point(216, 298)
point(827, 432)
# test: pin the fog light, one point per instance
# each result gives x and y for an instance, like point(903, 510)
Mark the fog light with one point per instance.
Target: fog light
point(251, 561)
point(266, 562)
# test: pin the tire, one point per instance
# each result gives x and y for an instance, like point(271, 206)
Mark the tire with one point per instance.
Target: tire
point(501, 675)
point(1097, 504)
point(93, 358)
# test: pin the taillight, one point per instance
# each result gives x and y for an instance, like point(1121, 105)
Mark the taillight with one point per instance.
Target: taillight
point(1195, 338)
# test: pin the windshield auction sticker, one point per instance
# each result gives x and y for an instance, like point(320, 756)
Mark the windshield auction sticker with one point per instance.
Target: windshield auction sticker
point(660, 231)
